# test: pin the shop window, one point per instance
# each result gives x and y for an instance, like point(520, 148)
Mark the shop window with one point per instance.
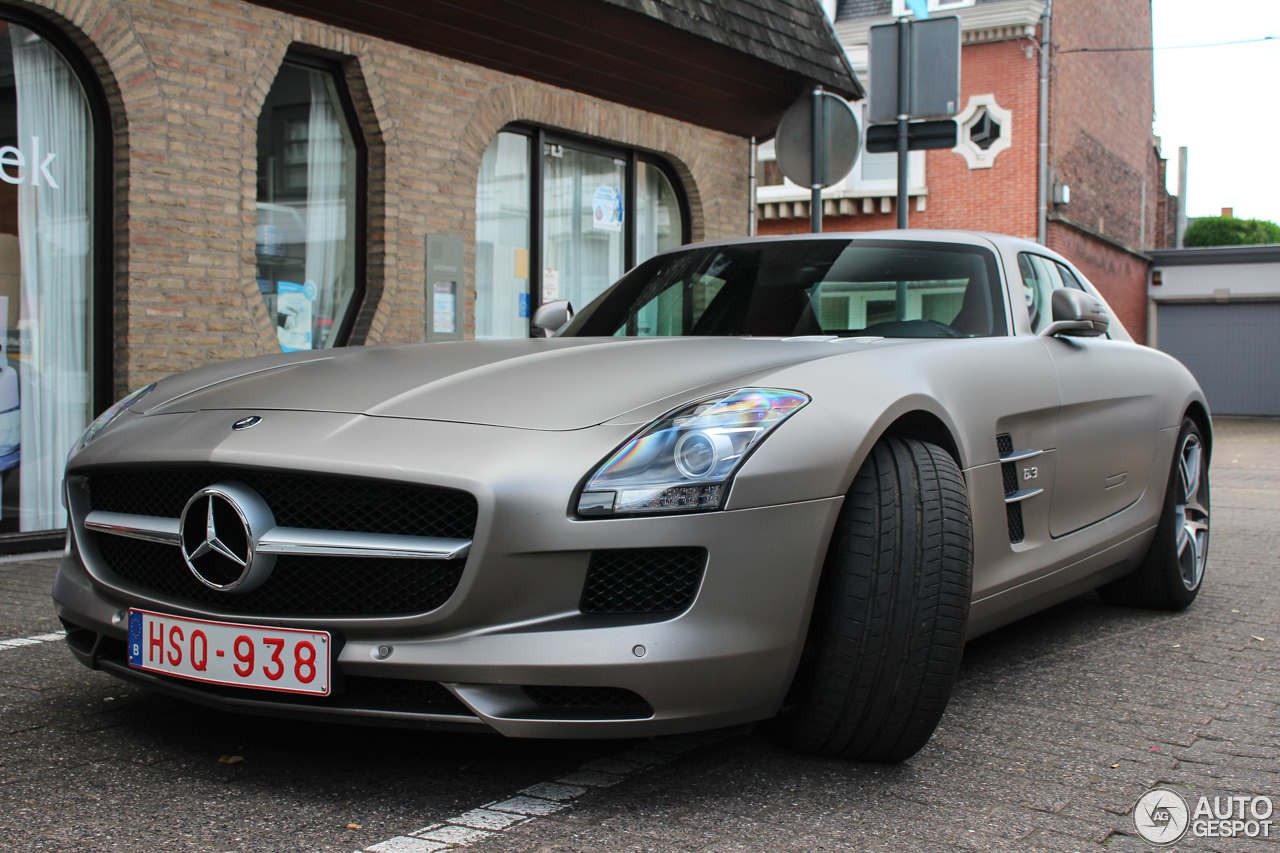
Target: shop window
point(599, 212)
point(502, 239)
point(309, 243)
point(50, 157)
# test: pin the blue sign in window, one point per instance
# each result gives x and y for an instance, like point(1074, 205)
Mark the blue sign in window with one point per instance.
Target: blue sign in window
point(524, 304)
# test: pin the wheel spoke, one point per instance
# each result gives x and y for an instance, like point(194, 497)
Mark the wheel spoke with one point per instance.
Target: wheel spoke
point(1190, 468)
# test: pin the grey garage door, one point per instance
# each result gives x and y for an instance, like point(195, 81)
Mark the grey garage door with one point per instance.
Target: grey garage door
point(1233, 349)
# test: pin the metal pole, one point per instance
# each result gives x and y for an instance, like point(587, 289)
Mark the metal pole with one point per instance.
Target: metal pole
point(1042, 228)
point(817, 168)
point(1180, 223)
point(904, 110)
point(751, 183)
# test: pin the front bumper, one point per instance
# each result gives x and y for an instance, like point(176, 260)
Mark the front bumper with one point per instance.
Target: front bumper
point(513, 620)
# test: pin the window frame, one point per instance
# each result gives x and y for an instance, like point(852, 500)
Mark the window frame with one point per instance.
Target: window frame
point(540, 137)
point(334, 68)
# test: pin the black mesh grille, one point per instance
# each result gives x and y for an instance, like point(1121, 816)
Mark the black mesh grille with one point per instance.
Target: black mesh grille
point(1004, 443)
point(642, 580)
point(298, 586)
point(1010, 473)
point(1016, 533)
point(426, 696)
point(297, 500)
point(585, 698)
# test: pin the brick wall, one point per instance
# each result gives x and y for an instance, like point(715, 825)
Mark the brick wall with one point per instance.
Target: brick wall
point(186, 81)
point(1102, 107)
point(1000, 199)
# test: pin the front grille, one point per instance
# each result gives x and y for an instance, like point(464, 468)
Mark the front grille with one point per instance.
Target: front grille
point(313, 502)
point(585, 698)
point(642, 580)
point(298, 586)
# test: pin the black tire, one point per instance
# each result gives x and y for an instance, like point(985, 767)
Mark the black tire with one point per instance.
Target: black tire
point(888, 625)
point(1165, 580)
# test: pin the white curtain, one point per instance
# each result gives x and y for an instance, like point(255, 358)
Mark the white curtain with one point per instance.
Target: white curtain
point(326, 213)
point(55, 238)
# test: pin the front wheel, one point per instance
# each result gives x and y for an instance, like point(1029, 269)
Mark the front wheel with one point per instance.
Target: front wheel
point(889, 622)
point(1170, 575)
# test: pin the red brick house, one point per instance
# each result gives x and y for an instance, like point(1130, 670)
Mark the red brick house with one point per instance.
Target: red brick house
point(1104, 182)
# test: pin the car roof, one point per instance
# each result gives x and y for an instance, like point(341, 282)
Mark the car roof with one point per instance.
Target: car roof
point(1005, 243)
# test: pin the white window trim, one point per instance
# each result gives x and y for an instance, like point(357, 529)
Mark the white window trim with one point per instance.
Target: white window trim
point(968, 117)
point(900, 6)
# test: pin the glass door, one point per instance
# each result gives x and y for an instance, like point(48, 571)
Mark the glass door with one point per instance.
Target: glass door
point(583, 208)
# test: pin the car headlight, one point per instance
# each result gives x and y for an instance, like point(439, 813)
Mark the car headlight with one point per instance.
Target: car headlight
point(105, 419)
point(683, 461)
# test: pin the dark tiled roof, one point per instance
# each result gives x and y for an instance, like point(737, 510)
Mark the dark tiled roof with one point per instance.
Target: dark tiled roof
point(792, 34)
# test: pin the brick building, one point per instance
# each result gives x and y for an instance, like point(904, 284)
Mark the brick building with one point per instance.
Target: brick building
point(185, 181)
point(1106, 202)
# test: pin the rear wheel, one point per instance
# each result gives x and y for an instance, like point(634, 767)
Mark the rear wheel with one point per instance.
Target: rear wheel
point(1170, 575)
point(888, 625)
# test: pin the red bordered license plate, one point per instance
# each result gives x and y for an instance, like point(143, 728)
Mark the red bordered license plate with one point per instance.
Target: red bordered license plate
point(283, 659)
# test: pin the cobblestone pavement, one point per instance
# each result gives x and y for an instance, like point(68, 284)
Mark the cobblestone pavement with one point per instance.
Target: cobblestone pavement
point(1058, 724)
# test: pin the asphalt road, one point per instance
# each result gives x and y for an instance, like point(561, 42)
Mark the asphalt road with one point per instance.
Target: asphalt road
point(1058, 724)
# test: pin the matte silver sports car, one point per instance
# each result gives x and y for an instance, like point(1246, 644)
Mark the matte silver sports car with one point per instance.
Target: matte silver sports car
point(772, 479)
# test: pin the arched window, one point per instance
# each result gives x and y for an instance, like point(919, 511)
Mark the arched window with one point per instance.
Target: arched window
point(55, 269)
point(311, 179)
point(599, 211)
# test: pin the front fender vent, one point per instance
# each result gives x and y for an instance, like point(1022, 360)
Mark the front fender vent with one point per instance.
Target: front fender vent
point(1009, 471)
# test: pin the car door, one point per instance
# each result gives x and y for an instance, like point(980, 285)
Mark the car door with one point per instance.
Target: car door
point(1109, 416)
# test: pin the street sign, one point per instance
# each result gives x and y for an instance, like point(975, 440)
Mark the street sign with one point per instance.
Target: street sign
point(794, 143)
point(921, 136)
point(933, 75)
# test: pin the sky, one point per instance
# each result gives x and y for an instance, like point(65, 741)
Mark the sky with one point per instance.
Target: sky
point(1220, 103)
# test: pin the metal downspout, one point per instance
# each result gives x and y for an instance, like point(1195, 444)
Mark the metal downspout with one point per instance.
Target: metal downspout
point(1042, 231)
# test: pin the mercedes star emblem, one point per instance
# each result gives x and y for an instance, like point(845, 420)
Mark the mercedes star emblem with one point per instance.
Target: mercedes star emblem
point(245, 423)
point(220, 527)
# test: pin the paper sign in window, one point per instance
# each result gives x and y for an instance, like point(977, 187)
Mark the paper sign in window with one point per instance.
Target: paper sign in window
point(444, 307)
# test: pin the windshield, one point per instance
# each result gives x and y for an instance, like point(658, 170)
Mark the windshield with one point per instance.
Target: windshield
point(889, 288)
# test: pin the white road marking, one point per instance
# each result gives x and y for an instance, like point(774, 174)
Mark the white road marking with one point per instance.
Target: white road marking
point(542, 799)
point(31, 641)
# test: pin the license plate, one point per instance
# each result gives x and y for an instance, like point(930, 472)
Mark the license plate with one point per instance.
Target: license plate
point(283, 659)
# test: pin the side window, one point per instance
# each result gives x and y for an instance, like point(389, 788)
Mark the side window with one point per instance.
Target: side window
point(1040, 277)
point(1069, 278)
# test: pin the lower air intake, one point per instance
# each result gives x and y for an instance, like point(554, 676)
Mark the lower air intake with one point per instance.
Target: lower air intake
point(587, 698)
point(643, 580)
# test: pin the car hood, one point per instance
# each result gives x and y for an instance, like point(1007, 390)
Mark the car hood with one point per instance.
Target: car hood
point(555, 384)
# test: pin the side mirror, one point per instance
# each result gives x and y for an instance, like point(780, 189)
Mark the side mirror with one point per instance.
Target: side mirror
point(1076, 313)
point(552, 316)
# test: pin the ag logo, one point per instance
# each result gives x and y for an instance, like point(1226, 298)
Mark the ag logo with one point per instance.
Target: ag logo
point(1161, 816)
